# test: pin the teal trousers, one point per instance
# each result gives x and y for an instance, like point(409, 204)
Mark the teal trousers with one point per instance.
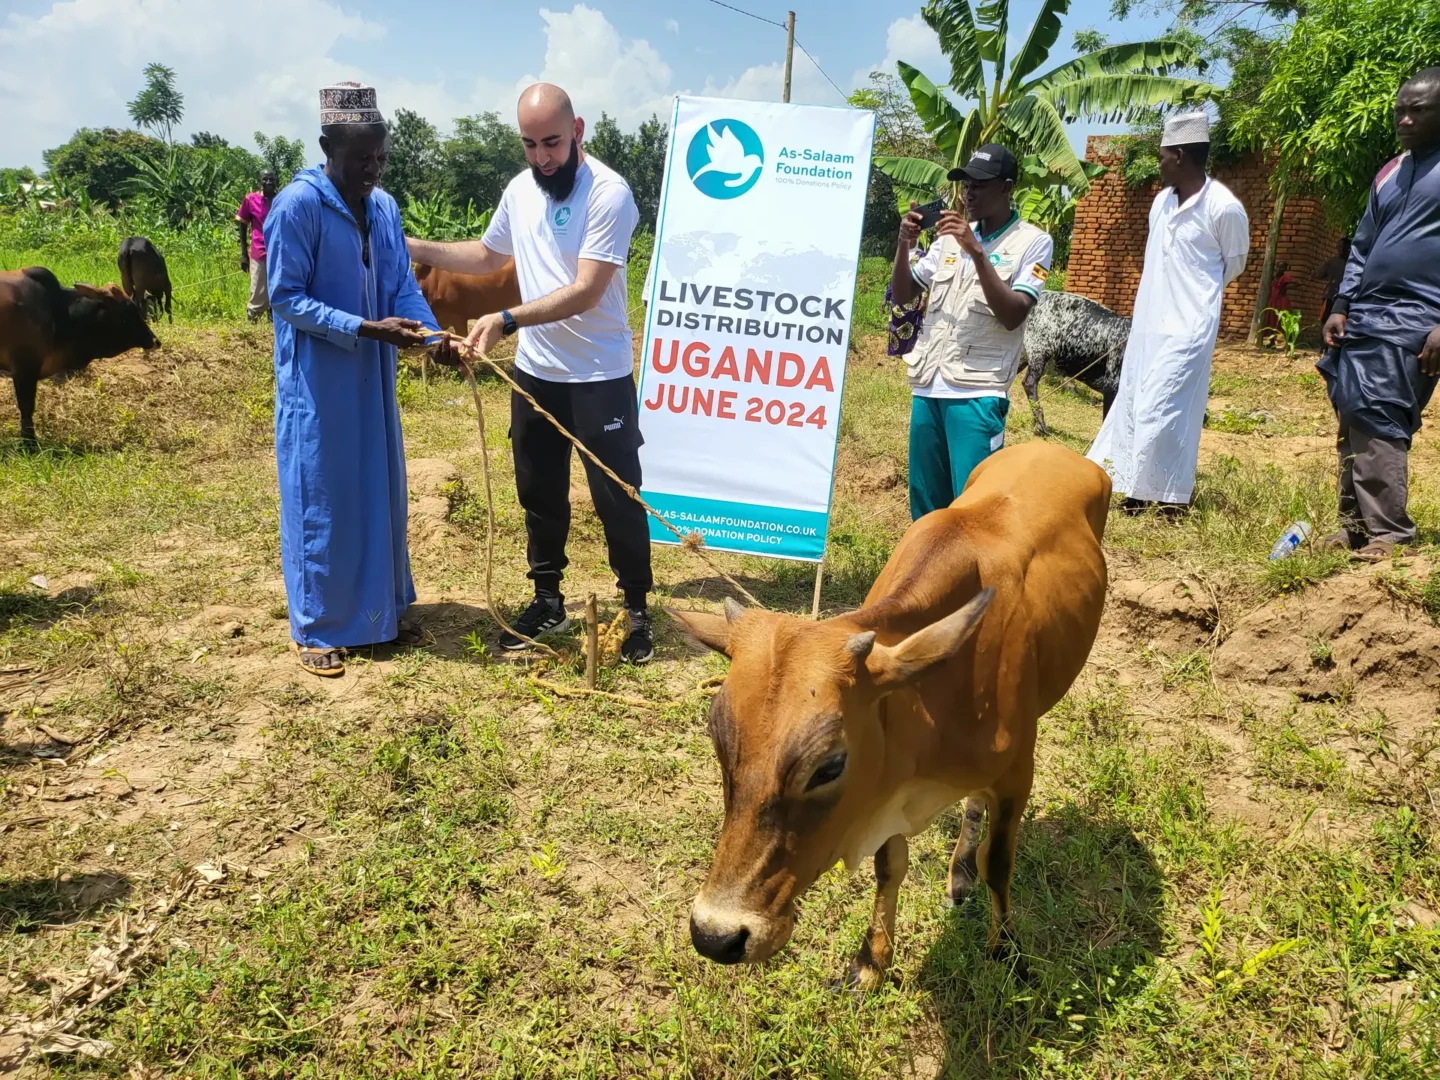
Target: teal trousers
point(948, 438)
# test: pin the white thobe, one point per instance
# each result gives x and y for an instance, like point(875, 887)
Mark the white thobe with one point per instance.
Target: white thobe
point(1150, 442)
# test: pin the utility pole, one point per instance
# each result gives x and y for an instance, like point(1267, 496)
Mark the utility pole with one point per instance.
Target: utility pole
point(789, 53)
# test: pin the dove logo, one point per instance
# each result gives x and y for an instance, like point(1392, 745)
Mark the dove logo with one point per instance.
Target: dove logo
point(725, 159)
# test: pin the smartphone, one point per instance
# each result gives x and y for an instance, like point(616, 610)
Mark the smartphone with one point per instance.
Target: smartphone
point(930, 213)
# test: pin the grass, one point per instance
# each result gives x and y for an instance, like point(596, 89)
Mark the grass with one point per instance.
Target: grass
point(438, 869)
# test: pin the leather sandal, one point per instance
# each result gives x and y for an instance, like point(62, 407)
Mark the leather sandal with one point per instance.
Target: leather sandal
point(1335, 541)
point(1377, 551)
point(326, 663)
point(410, 634)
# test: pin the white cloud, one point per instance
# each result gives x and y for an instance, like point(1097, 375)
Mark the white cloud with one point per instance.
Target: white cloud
point(79, 63)
point(915, 43)
point(600, 71)
point(672, 26)
point(766, 82)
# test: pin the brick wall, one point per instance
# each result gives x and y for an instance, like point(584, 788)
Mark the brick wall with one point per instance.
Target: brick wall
point(1112, 223)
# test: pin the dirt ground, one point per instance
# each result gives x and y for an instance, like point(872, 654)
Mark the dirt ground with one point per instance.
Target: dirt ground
point(445, 864)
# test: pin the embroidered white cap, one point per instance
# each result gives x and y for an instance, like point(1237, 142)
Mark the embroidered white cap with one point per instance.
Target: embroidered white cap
point(1186, 129)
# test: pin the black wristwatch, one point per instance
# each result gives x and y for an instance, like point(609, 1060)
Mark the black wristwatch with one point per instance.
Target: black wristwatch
point(509, 322)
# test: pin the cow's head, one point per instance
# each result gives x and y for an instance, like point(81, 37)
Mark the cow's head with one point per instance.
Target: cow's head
point(801, 745)
point(108, 323)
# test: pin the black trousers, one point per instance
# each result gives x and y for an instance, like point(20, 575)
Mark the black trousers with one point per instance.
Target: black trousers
point(605, 417)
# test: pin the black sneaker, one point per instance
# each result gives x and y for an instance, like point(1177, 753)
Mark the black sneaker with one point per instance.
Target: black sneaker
point(639, 647)
point(545, 615)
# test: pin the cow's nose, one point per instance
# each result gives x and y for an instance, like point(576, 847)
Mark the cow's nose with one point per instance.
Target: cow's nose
point(722, 946)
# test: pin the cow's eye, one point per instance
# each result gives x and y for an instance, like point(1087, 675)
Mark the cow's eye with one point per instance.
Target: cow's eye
point(828, 771)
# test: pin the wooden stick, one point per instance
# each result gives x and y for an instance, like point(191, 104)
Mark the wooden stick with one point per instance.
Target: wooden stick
point(819, 576)
point(592, 641)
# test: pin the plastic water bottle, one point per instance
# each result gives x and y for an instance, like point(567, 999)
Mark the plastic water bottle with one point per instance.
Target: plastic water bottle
point(1290, 539)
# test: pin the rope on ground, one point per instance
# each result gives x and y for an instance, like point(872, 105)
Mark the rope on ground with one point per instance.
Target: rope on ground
point(208, 281)
point(692, 542)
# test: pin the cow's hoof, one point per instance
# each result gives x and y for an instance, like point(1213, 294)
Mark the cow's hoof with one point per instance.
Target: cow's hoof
point(1008, 953)
point(962, 882)
point(859, 979)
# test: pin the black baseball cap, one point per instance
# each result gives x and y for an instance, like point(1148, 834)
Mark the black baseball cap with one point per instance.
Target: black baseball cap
point(989, 162)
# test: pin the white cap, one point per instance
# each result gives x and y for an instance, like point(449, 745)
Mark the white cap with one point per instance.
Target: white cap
point(1185, 129)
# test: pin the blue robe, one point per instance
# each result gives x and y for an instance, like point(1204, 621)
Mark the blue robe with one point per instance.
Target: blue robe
point(1390, 295)
point(337, 424)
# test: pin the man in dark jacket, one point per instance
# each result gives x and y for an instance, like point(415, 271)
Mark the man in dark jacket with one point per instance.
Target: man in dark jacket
point(1383, 332)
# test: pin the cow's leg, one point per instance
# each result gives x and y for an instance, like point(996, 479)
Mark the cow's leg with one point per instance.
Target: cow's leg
point(867, 970)
point(963, 869)
point(1032, 391)
point(1107, 398)
point(25, 383)
point(997, 865)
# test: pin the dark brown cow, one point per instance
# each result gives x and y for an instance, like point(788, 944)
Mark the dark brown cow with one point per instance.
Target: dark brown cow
point(144, 276)
point(46, 330)
point(457, 298)
point(841, 738)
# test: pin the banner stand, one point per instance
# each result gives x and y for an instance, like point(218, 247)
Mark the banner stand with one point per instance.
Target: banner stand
point(748, 323)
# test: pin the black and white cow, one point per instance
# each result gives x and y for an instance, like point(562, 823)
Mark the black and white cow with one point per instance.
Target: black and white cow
point(1080, 339)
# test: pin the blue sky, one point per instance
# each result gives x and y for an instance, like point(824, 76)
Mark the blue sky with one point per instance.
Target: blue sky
point(256, 64)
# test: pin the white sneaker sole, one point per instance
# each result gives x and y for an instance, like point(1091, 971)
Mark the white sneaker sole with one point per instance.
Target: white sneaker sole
point(521, 646)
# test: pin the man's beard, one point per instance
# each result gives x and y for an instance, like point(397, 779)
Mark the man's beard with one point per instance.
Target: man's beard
point(558, 185)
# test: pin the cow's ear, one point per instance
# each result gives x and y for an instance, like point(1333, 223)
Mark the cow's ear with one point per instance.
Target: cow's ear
point(892, 666)
point(89, 290)
point(712, 631)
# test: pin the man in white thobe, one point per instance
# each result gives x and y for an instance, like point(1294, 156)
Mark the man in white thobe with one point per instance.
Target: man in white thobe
point(1199, 240)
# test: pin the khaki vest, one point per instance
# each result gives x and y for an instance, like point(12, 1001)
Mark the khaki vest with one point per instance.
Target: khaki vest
point(962, 339)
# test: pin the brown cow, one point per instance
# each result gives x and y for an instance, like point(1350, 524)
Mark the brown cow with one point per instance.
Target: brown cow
point(46, 330)
point(457, 298)
point(839, 739)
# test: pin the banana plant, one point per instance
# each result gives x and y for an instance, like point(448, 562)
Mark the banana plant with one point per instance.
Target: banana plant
point(1022, 106)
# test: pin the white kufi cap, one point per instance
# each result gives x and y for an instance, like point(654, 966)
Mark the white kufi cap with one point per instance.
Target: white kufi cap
point(1186, 129)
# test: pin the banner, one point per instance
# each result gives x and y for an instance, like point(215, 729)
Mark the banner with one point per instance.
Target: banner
point(748, 321)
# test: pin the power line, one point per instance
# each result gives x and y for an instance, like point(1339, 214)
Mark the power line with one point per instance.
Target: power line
point(742, 11)
point(821, 70)
point(760, 18)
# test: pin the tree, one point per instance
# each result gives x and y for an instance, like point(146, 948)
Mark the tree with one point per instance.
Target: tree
point(102, 161)
point(899, 133)
point(415, 166)
point(285, 156)
point(481, 157)
point(158, 107)
point(1025, 110)
point(1327, 111)
point(204, 140)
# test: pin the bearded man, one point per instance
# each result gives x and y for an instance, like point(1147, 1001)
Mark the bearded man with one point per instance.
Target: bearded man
point(566, 221)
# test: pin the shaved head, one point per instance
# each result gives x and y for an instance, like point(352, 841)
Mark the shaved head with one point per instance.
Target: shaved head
point(543, 102)
point(552, 135)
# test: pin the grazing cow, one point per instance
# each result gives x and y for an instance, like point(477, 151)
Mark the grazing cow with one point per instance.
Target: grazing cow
point(457, 298)
point(838, 739)
point(46, 330)
point(144, 276)
point(1081, 339)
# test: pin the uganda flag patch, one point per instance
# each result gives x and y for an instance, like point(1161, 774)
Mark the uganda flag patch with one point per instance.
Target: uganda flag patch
point(1040, 273)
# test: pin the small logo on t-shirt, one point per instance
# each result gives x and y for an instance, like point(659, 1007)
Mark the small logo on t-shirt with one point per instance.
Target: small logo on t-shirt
point(562, 216)
point(994, 258)
point(616, 424)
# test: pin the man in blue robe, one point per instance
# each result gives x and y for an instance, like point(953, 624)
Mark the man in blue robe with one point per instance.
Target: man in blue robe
point(1384, 332)
point(344, 299)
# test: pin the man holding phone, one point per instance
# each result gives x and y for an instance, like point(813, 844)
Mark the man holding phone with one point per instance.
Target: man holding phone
point(984, 280)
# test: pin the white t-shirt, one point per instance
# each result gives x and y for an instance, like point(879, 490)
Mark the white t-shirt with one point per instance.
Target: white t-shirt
point(548, 240)
point(1030, 275)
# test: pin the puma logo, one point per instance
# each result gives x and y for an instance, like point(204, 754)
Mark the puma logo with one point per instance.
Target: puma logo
point(616, 424)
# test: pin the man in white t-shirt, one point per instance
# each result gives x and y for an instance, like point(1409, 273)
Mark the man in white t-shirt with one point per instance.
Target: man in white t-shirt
point(567, 222)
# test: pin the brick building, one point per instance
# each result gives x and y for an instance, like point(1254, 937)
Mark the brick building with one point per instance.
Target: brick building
point(1112, 222)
